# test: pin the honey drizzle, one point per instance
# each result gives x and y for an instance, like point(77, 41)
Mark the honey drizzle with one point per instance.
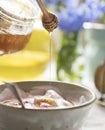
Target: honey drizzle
point(50, 56)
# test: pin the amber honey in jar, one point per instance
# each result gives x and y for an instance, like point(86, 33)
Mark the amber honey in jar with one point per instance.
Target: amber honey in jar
point(17, 18)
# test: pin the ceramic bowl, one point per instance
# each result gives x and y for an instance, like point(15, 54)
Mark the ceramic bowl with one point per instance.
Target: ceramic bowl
point(69, 118)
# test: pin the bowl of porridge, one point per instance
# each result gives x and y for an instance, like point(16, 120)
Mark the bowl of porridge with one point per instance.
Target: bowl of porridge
point(49, 105)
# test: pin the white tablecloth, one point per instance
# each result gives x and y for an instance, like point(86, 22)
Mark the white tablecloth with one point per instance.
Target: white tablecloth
point(96, 118)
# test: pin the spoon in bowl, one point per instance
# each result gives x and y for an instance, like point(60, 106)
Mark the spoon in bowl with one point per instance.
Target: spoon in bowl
point(14, 88)
point(49, 20)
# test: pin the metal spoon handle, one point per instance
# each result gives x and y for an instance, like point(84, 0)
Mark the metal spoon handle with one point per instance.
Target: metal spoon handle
point(14, 89)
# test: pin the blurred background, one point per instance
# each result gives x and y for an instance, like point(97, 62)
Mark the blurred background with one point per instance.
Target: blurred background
point(72, 52)
point(81, 49)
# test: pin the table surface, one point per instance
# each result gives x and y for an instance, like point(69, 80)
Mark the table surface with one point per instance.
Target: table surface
point(96, 118)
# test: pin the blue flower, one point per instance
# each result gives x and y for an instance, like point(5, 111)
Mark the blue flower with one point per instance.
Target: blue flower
point(69, 22)
point(93, 10)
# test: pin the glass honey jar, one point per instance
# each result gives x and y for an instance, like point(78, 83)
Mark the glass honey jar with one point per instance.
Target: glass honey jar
point(17, 18)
